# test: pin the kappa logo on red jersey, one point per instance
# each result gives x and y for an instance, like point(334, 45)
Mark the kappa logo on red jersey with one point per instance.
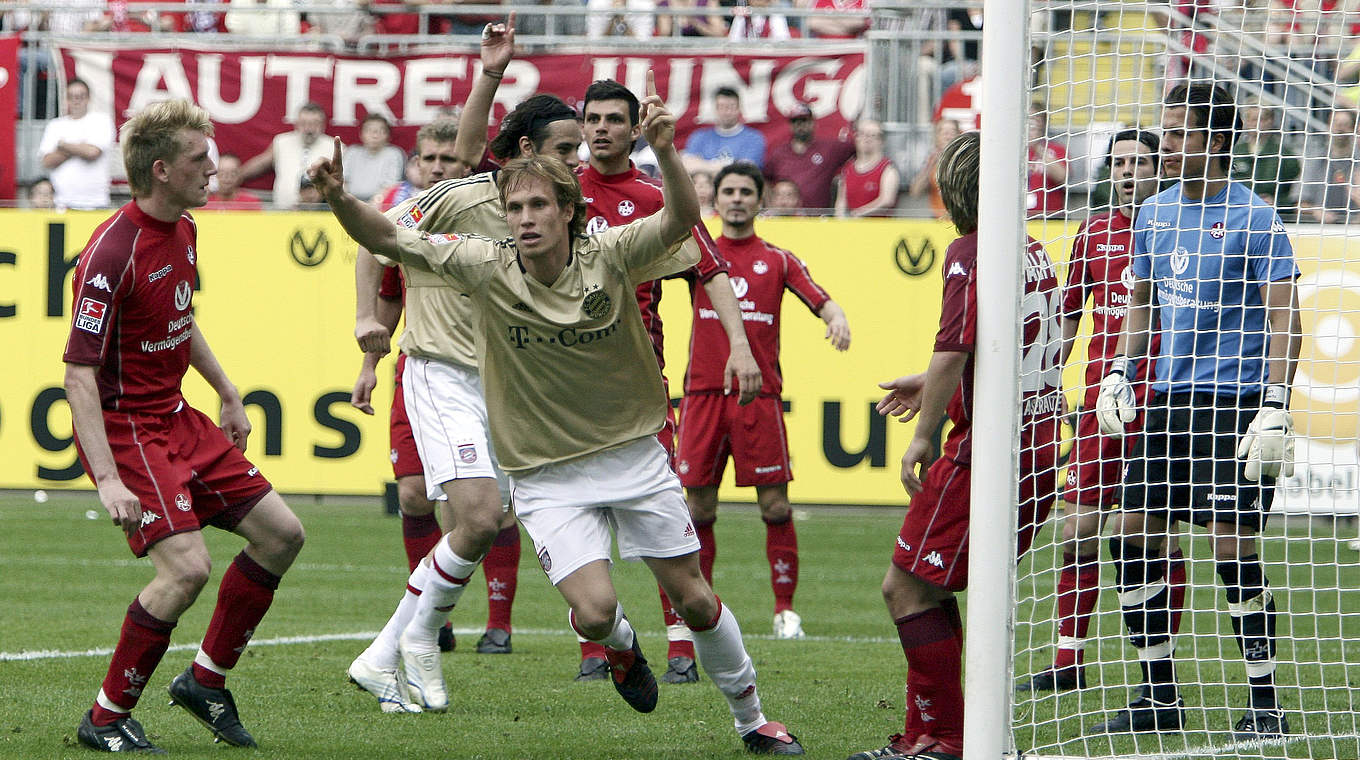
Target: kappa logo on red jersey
point(90, 315)
point(442, 237)
point(101, 282)
point(626, 208)
point(956, 269)
point(1217, 232)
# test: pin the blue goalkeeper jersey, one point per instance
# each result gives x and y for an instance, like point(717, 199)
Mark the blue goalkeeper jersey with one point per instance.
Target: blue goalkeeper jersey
point(1207, 261)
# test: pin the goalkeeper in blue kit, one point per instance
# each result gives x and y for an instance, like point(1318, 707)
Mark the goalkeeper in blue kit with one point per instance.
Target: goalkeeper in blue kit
point(1214, 260)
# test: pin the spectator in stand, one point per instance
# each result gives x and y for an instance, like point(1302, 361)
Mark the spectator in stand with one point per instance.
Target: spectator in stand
point(727, 140)
point(200, 22)
point(40, 195)
point(353, 23)
point(960, 57)
point(785, 199)
point(703, 187)
point(1263, 159)
point(854, 23)
point(621, 18)
point(868, 185)
point(229, 194)
point(264, 18)
point(122, 19)
point(674, 25)
point(290, 153)
point(1047, 193)
point(925, 181)
point(396, 23)
point(71, 20)
point(375, 162)
point(812, 162)
point(1329, 193)
point(752, 20)
point(75, 151)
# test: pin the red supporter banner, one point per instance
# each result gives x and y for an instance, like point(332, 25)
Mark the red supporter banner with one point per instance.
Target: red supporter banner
point(254, 95)
point(9, 108)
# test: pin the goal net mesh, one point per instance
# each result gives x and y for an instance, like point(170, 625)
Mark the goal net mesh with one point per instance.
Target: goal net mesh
point(1291, 69)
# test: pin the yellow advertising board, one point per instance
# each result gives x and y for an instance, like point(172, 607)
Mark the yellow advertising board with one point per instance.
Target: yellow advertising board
point(276, 303)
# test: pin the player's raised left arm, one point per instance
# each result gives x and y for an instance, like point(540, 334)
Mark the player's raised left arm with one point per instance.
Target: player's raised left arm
point(837, 327)
point(233, 421)
point(365, 224)
point(681, 210)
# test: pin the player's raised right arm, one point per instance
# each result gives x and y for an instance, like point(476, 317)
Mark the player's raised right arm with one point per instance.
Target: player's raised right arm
point(82, 394)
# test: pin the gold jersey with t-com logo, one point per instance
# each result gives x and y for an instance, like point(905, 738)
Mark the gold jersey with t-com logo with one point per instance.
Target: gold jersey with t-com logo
point(439, 319)
point(567, 368)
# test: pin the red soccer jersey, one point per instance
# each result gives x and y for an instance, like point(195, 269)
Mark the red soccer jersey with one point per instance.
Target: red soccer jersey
point(1041, 376)
point(1099, 270)
point(131, 311)
point(760, 273)
point(615, 199)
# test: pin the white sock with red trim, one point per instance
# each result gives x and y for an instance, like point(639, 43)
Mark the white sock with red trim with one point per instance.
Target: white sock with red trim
point(723, 657)
point(444, 585)
point(382, 652)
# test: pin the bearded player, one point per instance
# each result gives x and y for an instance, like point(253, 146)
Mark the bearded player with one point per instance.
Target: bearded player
point(930, 564)
point(714, 426)
point(163, 469)
point(1099, 271)
point(557, 307)
point(618, 193)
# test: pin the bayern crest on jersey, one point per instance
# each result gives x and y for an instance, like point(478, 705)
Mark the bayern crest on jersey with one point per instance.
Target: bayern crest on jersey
point(596, 225)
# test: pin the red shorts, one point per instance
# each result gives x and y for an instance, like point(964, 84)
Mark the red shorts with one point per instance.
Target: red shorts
point(715, 427)
point(933, 542)
point(1096, 467)
point(405, 458)
point(183, 470)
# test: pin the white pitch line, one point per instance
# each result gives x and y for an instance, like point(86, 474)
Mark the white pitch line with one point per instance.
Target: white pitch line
point(30, 655)
point(1199, 752)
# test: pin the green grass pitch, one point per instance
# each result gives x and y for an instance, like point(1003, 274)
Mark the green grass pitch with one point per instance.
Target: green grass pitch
point(65, 582)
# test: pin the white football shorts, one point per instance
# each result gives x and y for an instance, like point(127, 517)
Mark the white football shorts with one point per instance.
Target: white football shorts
point(448, 419)
point(569, 508)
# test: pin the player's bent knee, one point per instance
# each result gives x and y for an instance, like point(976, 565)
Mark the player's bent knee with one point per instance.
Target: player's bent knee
point(594, 619)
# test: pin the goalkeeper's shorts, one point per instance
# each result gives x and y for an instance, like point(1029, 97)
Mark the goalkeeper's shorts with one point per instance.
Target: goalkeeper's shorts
point(1185, 466)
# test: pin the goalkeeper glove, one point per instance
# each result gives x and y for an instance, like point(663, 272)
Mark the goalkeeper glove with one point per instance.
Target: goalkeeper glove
point(1114, 405)
point(1268, 445)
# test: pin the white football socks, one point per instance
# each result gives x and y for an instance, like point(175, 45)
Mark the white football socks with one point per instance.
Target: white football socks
point(723, 657)
point(382, 653)
point(444, 586)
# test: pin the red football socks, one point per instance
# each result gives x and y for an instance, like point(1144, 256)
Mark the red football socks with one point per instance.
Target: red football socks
point(419, 534)
point(934, 676)
point(781, 549)
point(141, 645)
point(501, 568)
point(246, 592)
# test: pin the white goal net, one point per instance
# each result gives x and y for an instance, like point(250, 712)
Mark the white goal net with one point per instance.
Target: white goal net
point(1208, 639)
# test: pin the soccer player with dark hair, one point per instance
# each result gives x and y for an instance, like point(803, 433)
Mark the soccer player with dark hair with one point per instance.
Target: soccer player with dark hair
point(618, 193)
point(574, 399)
point(163, 469)
point(1098, 270)
point(930, 563)
point(1216, 262)
point(714, 426)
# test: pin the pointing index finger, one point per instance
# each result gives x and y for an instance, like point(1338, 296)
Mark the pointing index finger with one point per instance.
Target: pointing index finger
point(651, 83)
point(336, 159)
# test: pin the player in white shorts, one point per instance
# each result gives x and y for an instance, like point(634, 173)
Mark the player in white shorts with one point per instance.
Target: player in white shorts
point(574, 397)
point(443, 392)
